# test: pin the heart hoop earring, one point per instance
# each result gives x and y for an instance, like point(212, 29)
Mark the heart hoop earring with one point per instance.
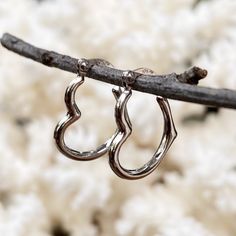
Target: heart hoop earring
point(124, 129)
point(74, 114)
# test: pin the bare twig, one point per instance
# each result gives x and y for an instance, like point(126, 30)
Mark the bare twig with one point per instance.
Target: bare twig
point(179, 87)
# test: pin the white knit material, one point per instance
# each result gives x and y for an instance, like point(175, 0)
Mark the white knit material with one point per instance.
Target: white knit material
point(192, 193)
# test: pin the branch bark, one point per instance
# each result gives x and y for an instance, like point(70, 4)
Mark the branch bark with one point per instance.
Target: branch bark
point(174, 86)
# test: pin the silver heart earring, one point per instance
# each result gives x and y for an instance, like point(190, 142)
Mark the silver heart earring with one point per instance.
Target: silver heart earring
point(124, 126)
point(74, 114)
point(124, 129)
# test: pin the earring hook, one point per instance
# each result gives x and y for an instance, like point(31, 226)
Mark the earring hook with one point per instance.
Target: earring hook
point(128, 79)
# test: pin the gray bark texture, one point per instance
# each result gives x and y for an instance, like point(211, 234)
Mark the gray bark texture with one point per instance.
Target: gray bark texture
point(174, 86)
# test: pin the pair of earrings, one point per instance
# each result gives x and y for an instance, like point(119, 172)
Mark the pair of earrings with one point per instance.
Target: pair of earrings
point(124, 126)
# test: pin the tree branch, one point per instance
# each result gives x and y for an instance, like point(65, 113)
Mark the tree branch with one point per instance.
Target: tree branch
point(174, 86)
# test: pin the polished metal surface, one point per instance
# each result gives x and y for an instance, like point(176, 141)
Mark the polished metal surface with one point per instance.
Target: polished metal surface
point(124, 126)
point(72, 116)
point(124, 130)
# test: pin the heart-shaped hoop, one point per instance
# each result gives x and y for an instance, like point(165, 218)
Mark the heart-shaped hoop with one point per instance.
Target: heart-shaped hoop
point(124, 130)
point(74, 114)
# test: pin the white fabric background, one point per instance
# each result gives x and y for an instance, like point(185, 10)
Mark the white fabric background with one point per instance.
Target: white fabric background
point(193, 191)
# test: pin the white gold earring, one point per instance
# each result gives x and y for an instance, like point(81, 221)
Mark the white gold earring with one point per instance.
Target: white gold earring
point(124, 126)
point(124, 129)
point(73, 114)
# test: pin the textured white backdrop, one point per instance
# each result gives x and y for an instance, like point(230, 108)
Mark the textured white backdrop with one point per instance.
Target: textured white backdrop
point(192, 193)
